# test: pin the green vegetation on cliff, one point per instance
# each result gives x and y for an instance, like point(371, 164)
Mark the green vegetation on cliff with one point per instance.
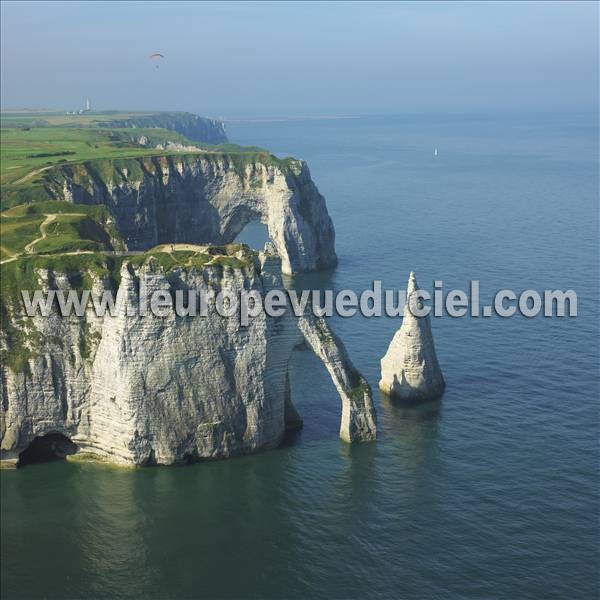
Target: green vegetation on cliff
point(16, 233)
point(81, 269)
point(41, 154)
point(199, 129)
point(48, 227)
point(35, 161)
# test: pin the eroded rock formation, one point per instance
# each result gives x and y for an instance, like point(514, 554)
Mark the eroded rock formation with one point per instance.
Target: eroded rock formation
point(358, 415)
point(204, 198)
point(148, 389)
point(410, 369)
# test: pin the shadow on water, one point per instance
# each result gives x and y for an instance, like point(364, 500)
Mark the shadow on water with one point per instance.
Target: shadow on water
point(398, 414)
point(358, 472)
point(293, 438)
point(412, 429)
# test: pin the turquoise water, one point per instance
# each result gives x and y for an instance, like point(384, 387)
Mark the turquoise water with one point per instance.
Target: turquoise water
point(491, 493)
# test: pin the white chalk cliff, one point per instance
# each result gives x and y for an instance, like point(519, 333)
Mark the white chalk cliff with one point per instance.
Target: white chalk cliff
point(163, 390)
point(410, 370)
point(206, 198)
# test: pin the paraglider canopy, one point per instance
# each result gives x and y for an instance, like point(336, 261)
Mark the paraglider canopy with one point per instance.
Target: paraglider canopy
point(156, 56)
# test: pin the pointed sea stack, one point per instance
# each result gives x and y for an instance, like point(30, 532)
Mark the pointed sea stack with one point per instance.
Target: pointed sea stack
point(410, 370)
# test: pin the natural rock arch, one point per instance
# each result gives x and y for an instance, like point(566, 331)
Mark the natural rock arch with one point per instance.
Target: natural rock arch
point(358, 415)
point(156, 390)
point(194, 199)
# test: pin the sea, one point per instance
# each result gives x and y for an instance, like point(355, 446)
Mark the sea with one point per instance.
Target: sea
point(490, 493)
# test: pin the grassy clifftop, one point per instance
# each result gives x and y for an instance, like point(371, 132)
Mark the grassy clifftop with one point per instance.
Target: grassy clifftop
point(192, 126)
point(40, 152)
point(82, 268)
point(35, 159)
point(200, 129)
point(49, 227)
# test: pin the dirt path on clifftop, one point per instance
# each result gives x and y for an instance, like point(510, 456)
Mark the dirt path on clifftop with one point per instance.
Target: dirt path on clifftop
point(32, 174)
point(49, 219)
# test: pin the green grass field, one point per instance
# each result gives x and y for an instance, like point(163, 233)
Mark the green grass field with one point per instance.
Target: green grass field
point(16, 233)
point(25, 118)
point(37, 232)
point(33, 141)
point(78, 240)
point(72, 233)
point(95, 211)
point(74, 227)
point(26, 152)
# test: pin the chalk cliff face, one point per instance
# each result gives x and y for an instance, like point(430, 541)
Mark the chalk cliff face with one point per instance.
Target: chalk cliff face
point(410, 369)
point(207, 198)
point(199, 129)
point(162, 390)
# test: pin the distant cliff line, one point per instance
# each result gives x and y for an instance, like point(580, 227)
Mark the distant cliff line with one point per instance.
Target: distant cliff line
point(194, 127)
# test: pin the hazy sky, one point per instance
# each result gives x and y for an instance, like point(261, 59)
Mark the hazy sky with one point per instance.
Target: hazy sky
point(291, 58)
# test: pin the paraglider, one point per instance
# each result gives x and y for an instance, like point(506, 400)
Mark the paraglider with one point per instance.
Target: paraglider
point(156, 57)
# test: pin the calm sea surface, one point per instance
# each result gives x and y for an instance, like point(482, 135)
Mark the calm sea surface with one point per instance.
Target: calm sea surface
point(491, 494)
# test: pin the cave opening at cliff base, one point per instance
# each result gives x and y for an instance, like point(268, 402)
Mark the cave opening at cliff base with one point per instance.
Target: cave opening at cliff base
point(46, 448)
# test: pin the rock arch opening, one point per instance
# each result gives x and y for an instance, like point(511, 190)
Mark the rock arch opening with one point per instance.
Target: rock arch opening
point(254, 234)
point(312, 402)
point(46, 448)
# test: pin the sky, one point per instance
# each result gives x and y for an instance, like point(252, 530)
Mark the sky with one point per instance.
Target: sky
point(331, 58)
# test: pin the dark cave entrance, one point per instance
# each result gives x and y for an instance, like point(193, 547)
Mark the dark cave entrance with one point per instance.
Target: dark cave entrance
point(45, 448)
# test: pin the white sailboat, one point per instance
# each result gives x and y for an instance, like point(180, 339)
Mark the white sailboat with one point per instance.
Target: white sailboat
point(435, 152)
